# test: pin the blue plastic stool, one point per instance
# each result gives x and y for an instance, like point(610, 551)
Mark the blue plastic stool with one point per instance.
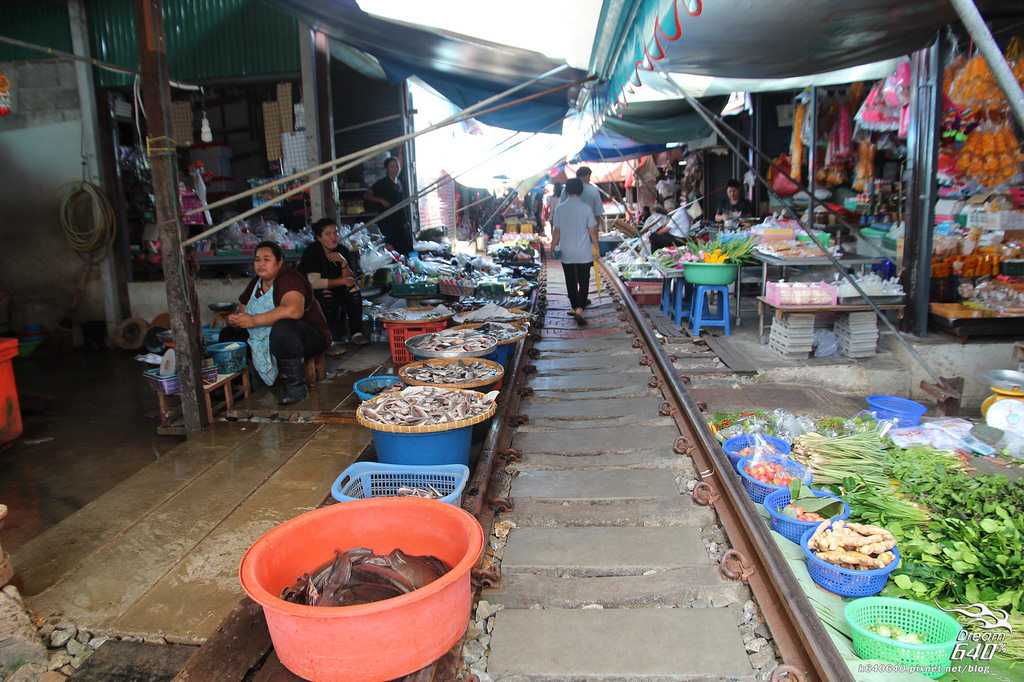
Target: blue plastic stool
point(700, 312)
point(666, 297)
point(680, 307)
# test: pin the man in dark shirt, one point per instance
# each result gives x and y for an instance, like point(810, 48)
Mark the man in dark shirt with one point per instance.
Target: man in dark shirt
point(733, 205)
point(387, 192)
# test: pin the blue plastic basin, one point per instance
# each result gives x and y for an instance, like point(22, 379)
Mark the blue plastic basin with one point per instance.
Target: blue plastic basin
point(442, 447)
point(905, 412)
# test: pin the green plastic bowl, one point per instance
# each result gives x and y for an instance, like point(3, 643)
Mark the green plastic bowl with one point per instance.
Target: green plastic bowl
point(710, 273)
point(940, 631)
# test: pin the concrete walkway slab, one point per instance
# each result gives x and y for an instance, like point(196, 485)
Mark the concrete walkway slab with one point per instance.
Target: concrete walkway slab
point(42, 561)
point(189, 603)
point(564, 412)
point(624, 645)
point(663, 512)
point(593, 344)
point(667, 461)
point(675, 587)
point(590, 382)
point(602, 551)
point(584, 361)
point(630, 392)
point(106, 583)
point(594, 485)
point(597, 441)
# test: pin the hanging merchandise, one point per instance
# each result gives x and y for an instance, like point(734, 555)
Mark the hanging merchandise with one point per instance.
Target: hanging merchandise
point(5, 95)
point(991, 156)
point(975, 87)
point(777, 172)
point(884, 105)
point(796, 145)
point(865, 166)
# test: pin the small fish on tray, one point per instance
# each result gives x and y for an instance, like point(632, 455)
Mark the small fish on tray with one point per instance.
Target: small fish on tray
point(427, 406)
point(415, 314)
point(501, 331)
point(460, 372)
point(428, 493)
point(454, 341)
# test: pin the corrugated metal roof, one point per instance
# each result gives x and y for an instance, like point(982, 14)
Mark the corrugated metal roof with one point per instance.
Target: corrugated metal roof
point(206, 39)
point(42, 23)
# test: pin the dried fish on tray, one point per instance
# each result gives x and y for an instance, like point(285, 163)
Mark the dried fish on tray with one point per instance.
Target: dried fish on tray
point(453, 373)
point(426, 406)
point(503, 332)
point(451, 343)
point(359, 576)
point(416, 314)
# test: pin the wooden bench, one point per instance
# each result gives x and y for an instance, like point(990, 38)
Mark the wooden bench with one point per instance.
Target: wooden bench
point(223, 381)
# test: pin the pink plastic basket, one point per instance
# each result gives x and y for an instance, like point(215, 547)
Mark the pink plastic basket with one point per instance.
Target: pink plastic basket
point(798, 293)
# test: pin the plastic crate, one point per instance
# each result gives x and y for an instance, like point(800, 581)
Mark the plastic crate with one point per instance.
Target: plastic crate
point(414, 289)
point(758, 490)
point(792, 529)
point(170, 385)
point(795, 293)
point(941, 632)
point(645, 291)
point(400, 332)
point(846, 582)
point(367, 479)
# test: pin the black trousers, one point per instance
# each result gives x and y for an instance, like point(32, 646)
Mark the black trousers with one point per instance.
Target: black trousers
point(577, 282)
point(289, 339)
point(341, 307)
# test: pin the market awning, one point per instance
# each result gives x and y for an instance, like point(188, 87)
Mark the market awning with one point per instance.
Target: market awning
point(661, 122)
point(759, 40)
point(463, 69)
point(611, 146)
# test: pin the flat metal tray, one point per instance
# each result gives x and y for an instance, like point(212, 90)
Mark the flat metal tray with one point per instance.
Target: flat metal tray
point(410, 345)
point(1005, 379)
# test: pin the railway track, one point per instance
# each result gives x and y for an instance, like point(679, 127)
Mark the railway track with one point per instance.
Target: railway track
point(621, 547)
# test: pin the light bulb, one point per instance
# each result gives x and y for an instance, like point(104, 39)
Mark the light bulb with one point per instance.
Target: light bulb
point(205, 134)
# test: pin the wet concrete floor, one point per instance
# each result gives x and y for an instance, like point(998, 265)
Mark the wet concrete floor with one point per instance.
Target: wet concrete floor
point(90, 423)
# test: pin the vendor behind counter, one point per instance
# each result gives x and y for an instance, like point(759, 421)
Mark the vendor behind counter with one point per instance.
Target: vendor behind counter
point(332, 271)
point(733, 206)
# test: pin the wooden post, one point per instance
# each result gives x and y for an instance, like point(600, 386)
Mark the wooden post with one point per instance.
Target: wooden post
point(325, 116)
point(162, 153)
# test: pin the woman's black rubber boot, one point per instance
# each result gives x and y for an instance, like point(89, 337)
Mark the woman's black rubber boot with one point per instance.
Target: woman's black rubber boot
point(293, 381)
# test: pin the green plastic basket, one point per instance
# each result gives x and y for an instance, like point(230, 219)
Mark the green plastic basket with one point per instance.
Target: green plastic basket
point(940, 631)
point(710, 273)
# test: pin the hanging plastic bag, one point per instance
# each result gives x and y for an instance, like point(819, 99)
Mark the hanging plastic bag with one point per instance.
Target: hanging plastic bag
point(781, 185)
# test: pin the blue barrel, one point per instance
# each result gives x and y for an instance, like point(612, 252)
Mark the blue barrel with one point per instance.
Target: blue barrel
point(424, 449)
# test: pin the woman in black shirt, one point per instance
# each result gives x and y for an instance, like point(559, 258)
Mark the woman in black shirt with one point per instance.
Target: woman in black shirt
point(332, 270)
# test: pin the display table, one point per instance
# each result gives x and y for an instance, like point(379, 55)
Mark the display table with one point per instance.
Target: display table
point(765, 260)
point(964, 323)
point(783, 310)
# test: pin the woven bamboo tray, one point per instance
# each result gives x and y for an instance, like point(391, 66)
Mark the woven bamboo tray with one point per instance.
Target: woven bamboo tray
point(440, 362)
point(431, 428)
point(473, 325)
point(436, 318)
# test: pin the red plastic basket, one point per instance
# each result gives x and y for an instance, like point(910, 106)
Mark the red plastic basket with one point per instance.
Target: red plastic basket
point(399, 332)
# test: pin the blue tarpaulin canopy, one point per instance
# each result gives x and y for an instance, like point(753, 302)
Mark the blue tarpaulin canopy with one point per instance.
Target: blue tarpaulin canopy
point(610, 146)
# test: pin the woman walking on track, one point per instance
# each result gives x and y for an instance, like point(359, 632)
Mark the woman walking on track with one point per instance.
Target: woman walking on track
point(575, 232)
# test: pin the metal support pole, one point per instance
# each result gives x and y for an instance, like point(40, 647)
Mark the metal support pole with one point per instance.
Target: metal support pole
point(975, 25)
point(922, 157)
point(812, 154)
point(325, 116)
point(311, 114)
point(162, 153)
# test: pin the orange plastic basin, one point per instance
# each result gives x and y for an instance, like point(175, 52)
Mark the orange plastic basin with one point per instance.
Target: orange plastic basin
point(368, 642)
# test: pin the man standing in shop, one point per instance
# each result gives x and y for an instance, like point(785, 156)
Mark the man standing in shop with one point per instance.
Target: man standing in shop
point(733, 206)
point(388, 192)
point(575, 234)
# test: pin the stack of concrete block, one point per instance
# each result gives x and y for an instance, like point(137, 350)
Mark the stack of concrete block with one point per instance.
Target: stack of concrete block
point(858, 334)
point(792, 336)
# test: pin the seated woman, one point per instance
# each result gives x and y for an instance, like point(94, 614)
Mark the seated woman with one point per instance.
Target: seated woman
point(281, 321)
point(332, 271)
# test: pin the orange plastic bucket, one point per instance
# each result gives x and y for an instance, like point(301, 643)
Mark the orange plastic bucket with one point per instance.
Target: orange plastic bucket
point(10, 410)
point(369, 642)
